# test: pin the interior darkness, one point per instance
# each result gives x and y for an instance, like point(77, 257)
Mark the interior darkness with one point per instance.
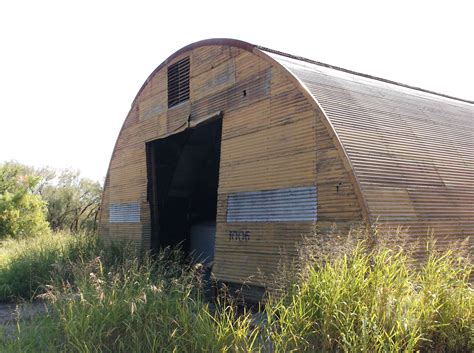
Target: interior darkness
point(183, 173)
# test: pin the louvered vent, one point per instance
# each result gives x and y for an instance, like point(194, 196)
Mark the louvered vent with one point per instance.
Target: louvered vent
point(178, 82)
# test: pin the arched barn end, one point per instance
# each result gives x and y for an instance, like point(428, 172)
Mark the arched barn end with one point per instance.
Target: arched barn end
point(255, 148)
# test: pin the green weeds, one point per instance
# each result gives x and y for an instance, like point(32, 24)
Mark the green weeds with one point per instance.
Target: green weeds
point(27, 264)
point(362, 299)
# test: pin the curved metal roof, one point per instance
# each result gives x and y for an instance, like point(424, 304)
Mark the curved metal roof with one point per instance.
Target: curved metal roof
point(412, 150)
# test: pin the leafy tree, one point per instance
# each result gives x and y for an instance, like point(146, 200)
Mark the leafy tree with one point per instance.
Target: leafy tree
point(22, 212)
point(70, 201)
point(73, 201)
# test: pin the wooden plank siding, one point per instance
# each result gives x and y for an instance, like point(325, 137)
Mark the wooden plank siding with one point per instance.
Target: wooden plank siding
point(272, 138)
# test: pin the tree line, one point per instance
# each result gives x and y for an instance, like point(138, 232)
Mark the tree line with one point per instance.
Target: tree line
point(35, 199)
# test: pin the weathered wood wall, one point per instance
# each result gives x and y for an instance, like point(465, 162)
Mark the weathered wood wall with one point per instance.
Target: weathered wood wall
point(273, 138)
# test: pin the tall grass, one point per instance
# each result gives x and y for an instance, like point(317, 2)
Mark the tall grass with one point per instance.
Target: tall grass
point(376, 300)
point(27, 264)
point(148, 305)
point(363, 299)
point(142, 307)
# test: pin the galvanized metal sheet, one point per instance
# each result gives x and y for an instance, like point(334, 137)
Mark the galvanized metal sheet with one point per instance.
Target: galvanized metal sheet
point(278, 205)
point(124, 212)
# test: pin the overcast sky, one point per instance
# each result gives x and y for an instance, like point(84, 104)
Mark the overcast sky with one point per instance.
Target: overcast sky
point(69, 70)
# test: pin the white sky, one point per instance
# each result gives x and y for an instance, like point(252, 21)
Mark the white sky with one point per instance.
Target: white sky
point(69, 70)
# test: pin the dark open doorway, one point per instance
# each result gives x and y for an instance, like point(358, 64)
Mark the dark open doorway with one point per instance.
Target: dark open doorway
point(183, 174)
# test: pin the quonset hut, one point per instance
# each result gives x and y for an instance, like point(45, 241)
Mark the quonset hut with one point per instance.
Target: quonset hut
point(235, 151)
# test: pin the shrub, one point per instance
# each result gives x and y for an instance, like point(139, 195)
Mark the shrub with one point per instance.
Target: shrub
point(21, 212)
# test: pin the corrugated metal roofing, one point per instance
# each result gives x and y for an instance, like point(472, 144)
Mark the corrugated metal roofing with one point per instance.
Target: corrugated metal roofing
point(411, 150)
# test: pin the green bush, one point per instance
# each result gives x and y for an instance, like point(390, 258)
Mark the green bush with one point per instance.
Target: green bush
point(21, 212)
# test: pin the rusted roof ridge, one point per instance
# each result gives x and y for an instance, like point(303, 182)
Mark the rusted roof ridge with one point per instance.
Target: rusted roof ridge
point(359, 73)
